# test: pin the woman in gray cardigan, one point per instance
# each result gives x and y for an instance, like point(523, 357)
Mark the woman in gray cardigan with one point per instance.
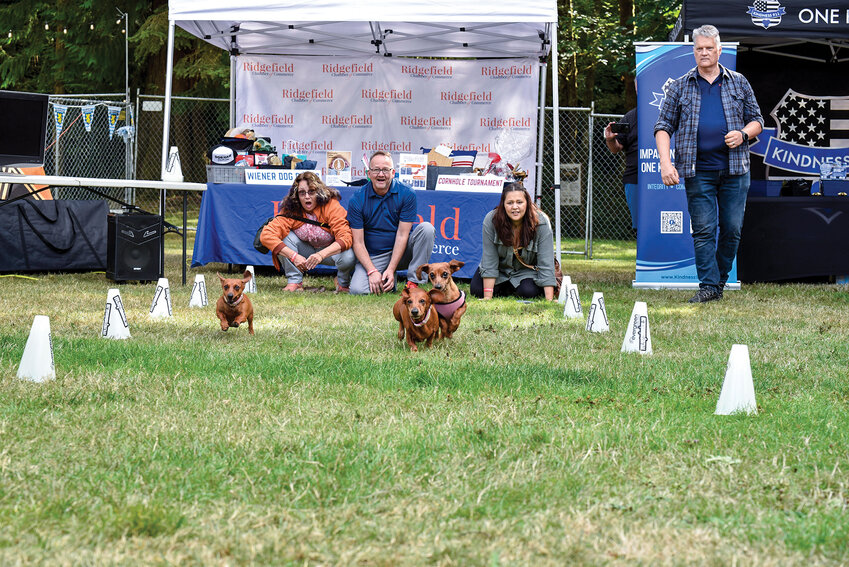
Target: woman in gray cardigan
point(518, 249)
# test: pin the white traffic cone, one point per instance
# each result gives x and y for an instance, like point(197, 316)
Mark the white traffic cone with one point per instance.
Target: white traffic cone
point(597, 317)
point(564, 290)
point(161, 305)
point(115, 324)
point(637, 337)
point(173, 170)
point(738, 390)
point(572, 310)
point(251, 287)
point(199, 298)
point(37, 360)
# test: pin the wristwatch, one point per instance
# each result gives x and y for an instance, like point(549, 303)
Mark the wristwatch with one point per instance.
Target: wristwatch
point(745, 136)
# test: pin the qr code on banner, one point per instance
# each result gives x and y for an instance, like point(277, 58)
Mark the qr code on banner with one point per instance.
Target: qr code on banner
point(672, 222)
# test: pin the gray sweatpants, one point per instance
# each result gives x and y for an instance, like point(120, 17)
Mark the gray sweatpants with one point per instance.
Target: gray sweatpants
point(344, 261)
point(419, 248)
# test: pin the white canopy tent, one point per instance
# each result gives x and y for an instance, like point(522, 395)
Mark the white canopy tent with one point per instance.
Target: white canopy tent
point(409, 28)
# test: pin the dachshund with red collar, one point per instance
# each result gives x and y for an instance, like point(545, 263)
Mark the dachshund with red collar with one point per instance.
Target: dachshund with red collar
point(234, 307)
point(416, 316)
point(451, 302)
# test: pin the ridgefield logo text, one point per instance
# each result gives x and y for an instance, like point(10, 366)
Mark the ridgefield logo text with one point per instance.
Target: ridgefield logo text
point(423, 122)
point(393, 95)
point(429, 71)
point(256, 119)
point(374, 146)
point(311, 94)
point(269, 68)
point(506, 72)
point(349, 69)
point(293, 146)
point(512, 122)
point(473, 97)
point(353, 120)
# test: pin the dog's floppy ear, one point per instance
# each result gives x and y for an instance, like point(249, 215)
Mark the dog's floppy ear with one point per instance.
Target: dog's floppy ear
point(425, 267)
point(247, 275)
point(456, 265)
point(220, 277)
point(405, 293)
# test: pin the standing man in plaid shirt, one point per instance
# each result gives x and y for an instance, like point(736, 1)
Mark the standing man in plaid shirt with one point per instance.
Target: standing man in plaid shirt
point(713, 112)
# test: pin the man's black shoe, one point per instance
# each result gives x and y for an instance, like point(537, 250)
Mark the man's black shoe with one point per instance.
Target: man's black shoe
point(704, 295)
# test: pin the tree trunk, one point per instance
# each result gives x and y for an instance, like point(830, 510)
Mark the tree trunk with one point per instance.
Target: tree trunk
point(569, 61)
point(59, 52)
point(626, 21)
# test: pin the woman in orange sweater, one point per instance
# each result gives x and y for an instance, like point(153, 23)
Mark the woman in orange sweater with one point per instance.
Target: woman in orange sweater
point(300, 246)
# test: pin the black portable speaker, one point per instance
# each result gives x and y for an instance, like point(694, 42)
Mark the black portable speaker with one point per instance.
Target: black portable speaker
point(134, 247)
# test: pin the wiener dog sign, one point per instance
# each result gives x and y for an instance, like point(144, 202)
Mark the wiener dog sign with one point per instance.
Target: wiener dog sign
point(274, 176)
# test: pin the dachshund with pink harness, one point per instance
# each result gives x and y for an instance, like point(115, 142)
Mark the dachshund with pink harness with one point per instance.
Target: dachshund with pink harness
point(450, 303)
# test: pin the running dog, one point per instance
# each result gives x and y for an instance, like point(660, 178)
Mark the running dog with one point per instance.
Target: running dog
point(416, 316)
point(234, 307)
point(452, 304)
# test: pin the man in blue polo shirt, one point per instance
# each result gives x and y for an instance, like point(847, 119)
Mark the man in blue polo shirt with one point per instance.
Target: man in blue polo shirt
point(381, 215)
point(713, 113)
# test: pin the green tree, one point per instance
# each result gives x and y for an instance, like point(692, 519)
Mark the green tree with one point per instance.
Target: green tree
point(78, 47)
point(63, 46)
point(595, 42)
point(200, 69)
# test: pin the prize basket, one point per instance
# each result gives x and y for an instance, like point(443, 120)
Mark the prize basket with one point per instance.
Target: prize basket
point(225, 174)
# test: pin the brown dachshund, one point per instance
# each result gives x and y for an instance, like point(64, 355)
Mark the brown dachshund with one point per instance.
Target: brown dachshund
point(234, 307)
point(452, 303)
point(416, 316)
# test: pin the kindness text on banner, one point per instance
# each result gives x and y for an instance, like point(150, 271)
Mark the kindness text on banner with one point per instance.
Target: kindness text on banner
point(665, 254)
point(310, 105)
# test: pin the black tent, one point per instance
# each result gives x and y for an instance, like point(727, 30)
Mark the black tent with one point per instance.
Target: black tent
point(795, 53)
point(784, 45)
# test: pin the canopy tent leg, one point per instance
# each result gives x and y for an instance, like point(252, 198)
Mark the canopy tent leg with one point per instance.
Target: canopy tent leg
point(166, 119)
point(588, 223)
point(166, 134)
point(555, 116)
point(541, 126)
point(233, 65)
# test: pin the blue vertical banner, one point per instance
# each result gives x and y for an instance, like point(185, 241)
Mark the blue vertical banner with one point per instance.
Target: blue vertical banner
point(114, 111)
point(60, 111)
point(665, 254)
point(88, 116)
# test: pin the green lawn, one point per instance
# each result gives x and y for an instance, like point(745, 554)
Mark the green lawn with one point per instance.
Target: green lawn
point(524, 440)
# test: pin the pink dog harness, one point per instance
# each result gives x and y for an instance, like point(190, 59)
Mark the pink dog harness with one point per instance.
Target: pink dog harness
point(446, 310)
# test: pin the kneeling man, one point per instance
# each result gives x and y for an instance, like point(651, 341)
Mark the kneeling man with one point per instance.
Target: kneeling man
point(381, 214)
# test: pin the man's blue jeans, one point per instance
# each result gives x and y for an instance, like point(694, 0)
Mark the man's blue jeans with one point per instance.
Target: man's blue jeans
point(716, 199)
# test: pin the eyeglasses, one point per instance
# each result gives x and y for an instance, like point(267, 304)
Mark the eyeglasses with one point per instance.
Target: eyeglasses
point(383, 170)
point(311, 193)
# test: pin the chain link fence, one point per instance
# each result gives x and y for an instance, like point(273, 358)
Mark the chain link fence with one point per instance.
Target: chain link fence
point(96, 143)
point(592, 201)
point(611, 219)
point(196, 125)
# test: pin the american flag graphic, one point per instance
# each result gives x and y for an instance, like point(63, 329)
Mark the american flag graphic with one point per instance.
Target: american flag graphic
point(766, 13)
point(821, 122)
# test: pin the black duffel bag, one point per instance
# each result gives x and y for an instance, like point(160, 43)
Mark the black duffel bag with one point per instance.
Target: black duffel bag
point(795, 188)
point(38, 236)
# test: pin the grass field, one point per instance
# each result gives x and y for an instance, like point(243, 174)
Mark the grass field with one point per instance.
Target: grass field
point(524, 440)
